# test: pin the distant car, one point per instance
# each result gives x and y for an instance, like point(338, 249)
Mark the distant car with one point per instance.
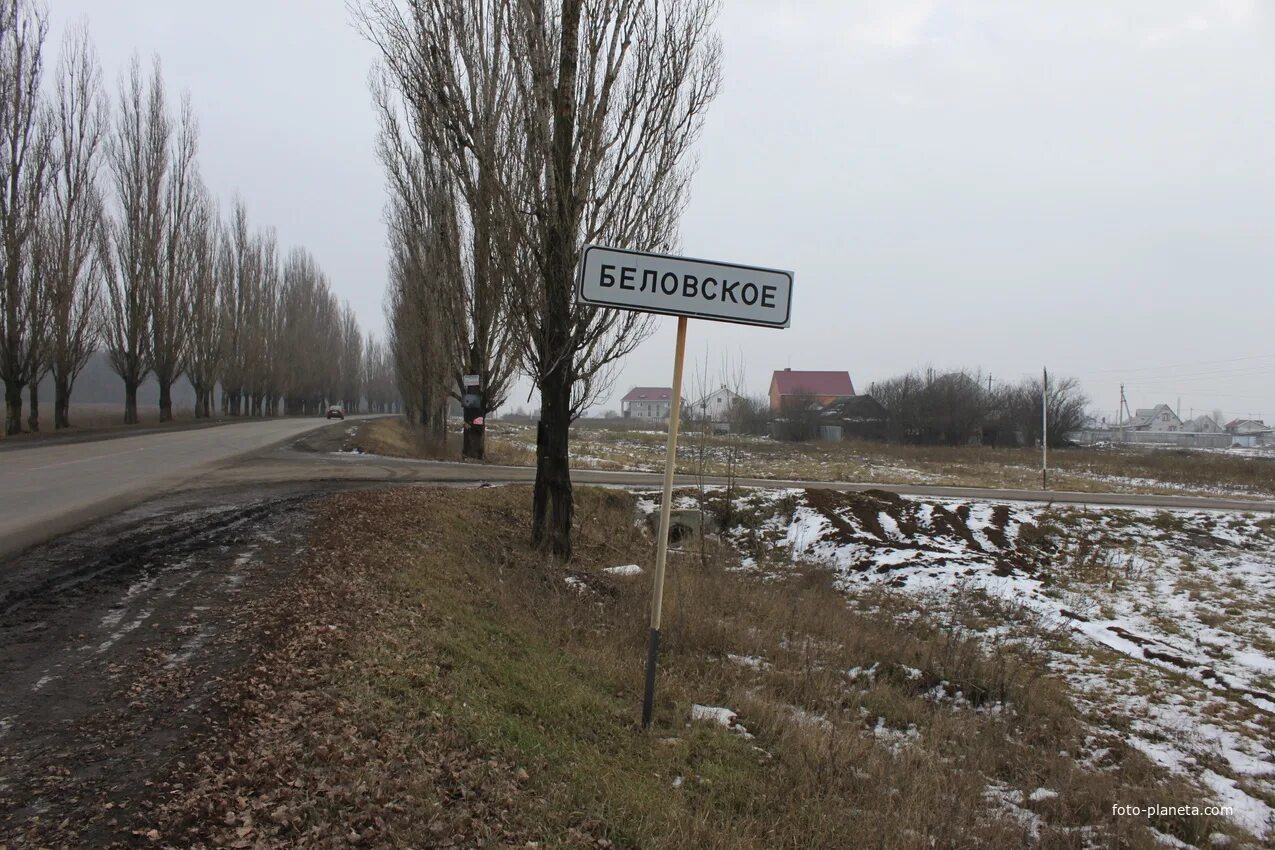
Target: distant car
point(335, 412)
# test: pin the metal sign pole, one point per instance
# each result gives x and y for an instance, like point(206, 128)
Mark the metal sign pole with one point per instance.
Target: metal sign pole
point(661, 543)
point(1044, 429)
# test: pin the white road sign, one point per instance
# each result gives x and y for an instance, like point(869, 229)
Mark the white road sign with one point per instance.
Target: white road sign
point(683, 286)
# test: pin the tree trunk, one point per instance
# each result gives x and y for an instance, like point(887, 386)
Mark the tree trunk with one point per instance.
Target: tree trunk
point(199, 401)
point(130, 402)
point(475, 442)
point(61, 403)
point(553, 505)
point(12, 408)
point(165, 401)
point(33, 417)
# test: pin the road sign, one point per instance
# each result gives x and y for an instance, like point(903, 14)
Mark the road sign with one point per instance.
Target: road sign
point(471, 380)
point(684, 286)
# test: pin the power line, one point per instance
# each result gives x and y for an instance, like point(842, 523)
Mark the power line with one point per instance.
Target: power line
point(1218, 375)
point(1185, 365)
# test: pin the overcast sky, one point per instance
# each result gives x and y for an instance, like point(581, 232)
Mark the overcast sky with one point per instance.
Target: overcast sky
point(1080, 184)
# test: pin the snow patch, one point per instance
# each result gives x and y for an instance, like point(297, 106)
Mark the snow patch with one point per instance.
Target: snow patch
point(719, 715)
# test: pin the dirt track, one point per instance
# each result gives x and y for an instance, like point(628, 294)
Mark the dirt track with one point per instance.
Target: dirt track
point(112, 644)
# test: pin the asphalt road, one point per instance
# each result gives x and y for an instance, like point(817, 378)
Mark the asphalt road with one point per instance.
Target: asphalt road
point(46, 489)
point(285, 464)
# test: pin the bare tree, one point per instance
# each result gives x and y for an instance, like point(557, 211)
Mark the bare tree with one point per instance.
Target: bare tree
point(462, 47)
point(171, 280)
point(25, 144)
point(239, 276)
point(424, 265)
point(206, 346)
point(137, 152)
point(351, 360)
point(602, 102)
point(417, 338)
point(74, 218)
point(798, 418)
point(957, 407)
point(947, 408)
point(309, 343)
point(612, 95)
point(263, 325)
point(378, 376)
point(1067, 404)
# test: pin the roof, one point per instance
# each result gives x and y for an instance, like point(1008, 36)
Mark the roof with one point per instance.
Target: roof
point(727, 390)
point(790, 382)
point(1247, 426)
point(649, 394)
point(858, 408)
point(1143, 416)
point(1202, 424)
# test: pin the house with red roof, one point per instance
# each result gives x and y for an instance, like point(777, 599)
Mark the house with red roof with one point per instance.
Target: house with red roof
point(647, 403)
point(823, 388)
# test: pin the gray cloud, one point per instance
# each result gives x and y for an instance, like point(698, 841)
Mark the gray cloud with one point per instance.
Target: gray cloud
point(1000, 185)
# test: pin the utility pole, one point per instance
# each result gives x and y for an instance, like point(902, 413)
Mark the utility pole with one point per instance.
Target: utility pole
point(1124, 405)
point(1044, 429)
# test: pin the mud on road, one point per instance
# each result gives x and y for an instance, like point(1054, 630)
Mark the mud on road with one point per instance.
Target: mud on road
point(113, 644)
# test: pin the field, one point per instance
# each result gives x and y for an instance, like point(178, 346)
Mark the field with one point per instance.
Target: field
point(1113, 470)
point(99, 417)
point(1243, 473)
point(838, 669)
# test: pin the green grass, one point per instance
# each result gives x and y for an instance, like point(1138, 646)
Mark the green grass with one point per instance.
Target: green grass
point(486, 639)
point(478, 700)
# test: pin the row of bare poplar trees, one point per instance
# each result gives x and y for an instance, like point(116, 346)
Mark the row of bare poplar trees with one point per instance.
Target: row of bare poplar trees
point(513, 133)
point(111, 241)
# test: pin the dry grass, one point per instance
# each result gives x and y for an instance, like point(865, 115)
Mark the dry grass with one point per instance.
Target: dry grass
point(390, 437)
point(101, 417)
point(395, 437)
point(478, 698)
point(613, 445)
point(1078, 469)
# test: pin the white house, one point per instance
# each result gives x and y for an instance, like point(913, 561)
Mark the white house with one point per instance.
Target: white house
point(716, 406)
point(1160, 418)
point(647, 403)
point(1202, 424)
point(1249, 432)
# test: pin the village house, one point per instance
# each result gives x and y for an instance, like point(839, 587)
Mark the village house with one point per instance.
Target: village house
point(821, 388)
point(1158, 419)
point(1202, 424)
point(715, 407)
point(1160, 425)
point(861, 417)
point(650, 403)
point(1249, 433)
